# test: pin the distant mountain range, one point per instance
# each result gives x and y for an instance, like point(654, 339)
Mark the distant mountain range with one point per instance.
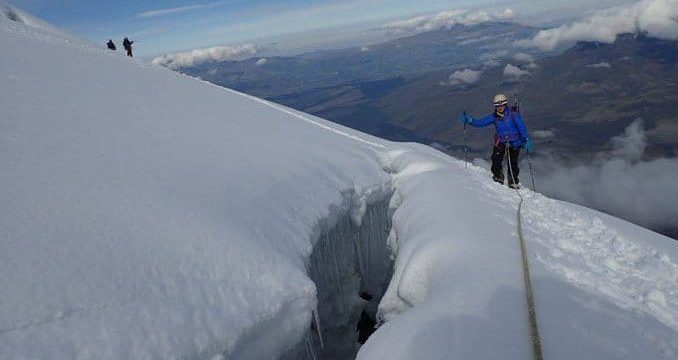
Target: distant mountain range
point(604, 85)
point(454, 47)
point(400, 89)
point(414, 88)
point(583, 97)
point(573, 102)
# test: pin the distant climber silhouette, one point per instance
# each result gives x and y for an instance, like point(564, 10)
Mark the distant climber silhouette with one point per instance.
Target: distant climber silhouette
point(127, 44)
point(111, 45)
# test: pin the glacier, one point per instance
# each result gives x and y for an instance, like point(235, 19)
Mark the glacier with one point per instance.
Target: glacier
point(148, 215)
point(351, 266)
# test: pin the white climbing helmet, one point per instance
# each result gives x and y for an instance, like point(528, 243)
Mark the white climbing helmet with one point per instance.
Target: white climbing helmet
point(500, 99)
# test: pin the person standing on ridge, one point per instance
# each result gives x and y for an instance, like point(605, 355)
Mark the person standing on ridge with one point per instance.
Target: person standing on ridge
point(111, 45)
point(128, 46)
point(511, 136)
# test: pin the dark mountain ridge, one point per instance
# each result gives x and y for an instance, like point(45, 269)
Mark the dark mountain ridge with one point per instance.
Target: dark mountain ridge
point(584, 96)
point(457, 46)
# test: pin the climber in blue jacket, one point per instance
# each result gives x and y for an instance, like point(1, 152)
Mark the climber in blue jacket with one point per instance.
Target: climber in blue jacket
point(511, 131)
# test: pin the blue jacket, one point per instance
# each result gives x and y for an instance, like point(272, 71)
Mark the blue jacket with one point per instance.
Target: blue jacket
point(509, 128)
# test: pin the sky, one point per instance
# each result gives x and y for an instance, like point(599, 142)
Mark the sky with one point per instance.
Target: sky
point(164, 26)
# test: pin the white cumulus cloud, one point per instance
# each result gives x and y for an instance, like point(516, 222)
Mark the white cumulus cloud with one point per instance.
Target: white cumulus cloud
point(513, 72)
point(601, 65)
point(618, 182)
point(194, 57)
point(632, 144)
point(446, 19)
point(523, 58)
point(493, 59)
point(463, 77)
point(659, 18)
point(543, 134)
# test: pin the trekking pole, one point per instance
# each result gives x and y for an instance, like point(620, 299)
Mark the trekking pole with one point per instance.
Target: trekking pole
point(516, 106)
point(529, 162)
point(465, 147)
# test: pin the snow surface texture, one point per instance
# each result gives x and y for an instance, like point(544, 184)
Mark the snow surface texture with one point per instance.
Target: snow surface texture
point(148, 215)
point(10, 14)
point(604, 288)
point(145, 214)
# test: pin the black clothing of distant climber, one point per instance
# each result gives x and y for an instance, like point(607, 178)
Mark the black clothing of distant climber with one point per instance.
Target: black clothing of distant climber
point(111, 45)
point(128, 46)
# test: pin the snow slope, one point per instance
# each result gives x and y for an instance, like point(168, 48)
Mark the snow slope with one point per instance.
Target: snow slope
point(604, 288)
point(148, 215)
point(11, 14)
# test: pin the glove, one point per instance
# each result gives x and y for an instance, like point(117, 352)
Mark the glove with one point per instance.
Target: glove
point(529, 146)
point(465, 118)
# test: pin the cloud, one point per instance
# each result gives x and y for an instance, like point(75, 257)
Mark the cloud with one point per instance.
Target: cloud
point(513, 72)
point(491, 62)
point(219, 53)
point(170, 11)
point(183, 9)
point(543, 134)
point(474, 40)
point(446, 19)
point(364, 49)
point(463, 77)
point(659, 18)
point(600, 65)
point(617, 182)
point(261, 62)
point(523, 58)
point(526, 61)
point(632, 144)
point(493, 59)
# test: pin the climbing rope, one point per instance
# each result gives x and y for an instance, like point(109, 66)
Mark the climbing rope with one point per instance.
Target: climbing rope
point(531, 309)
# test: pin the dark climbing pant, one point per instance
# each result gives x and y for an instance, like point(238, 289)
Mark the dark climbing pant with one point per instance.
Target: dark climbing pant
point(498, 153)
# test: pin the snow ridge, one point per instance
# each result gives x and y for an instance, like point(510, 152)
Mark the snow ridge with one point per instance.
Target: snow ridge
point(457, 279)
point(596, 257)
point(10, 15)
point(307, 118)
point(146, 215)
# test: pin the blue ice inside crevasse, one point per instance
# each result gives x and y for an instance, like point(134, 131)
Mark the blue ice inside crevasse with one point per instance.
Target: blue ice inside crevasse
point(351, 266)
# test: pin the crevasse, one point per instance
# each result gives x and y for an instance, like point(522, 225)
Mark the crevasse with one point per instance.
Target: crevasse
point(351, 266)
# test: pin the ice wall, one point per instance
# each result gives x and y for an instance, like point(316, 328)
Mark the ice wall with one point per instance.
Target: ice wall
point(351, 267)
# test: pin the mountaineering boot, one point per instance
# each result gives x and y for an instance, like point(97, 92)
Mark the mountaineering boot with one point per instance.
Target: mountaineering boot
point(498, 179)
point(514, 186)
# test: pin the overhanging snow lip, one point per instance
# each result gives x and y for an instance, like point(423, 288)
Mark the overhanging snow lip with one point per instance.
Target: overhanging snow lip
point(353, 230)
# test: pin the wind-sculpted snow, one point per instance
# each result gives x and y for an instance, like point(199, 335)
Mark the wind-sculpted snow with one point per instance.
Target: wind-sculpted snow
point(148, 215)
point(10, 14)
point(604, 288)
point(144, 214)
point(586, 251)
